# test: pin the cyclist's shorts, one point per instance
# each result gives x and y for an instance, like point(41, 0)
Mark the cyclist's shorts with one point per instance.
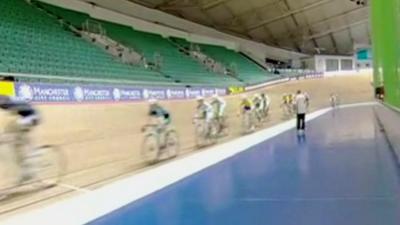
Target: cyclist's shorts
point(247, 108)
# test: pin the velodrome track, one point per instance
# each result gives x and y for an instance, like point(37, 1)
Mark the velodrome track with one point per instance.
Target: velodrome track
point(101, 142)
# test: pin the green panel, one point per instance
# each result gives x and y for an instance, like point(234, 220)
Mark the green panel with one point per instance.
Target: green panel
point(386, 36)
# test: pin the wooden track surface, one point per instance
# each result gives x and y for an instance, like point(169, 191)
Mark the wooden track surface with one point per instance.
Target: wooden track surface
point(102, 141)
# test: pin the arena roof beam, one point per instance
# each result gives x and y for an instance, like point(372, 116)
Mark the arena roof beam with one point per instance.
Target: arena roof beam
point(213, 4)
point(296, 23)
point(253, 10)
point(289, 13)
point(334, 43)
point(323, 21)
point(335, 30)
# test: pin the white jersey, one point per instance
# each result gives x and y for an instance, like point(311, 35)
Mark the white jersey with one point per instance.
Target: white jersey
point(220, 105)
point(205, 111)
point(267, 101)
point(301, 103)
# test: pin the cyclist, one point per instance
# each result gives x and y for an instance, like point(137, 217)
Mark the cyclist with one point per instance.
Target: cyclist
point(258, 106)
point(158, 116)
point(266, 103)
point(204, 111)
point(246, 108)
point(333, 100)
point(246, 105)
point(307, 100)
point(19, 129)
point(286, 103)
point(219, 105)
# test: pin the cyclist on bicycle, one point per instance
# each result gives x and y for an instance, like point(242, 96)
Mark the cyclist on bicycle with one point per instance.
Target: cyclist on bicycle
point(285, 103)
point(333, 99)
point(246, 108)
point(19, 129)
point(158, 115)
point(219, 105)
point(266, 103)
point(258, 106)
point(204, 111)
point(246, 105)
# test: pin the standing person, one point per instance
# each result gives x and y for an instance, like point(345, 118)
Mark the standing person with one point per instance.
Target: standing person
point(301, 110)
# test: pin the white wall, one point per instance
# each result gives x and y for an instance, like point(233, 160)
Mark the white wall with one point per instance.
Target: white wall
point(309, 63)
point(320, 65)
point(149, 20)
point(320, 62)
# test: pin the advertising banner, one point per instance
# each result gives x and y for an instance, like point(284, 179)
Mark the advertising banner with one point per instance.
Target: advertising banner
point(46, 92)
point(208, 92)
point(176, 93)
point(193, 92)
point(127, 94)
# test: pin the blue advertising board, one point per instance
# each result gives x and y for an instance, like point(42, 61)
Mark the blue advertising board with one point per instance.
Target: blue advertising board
point(43, 92)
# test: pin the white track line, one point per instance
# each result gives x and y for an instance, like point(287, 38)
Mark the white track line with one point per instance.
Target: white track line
point(71, 187)
point(87, 207)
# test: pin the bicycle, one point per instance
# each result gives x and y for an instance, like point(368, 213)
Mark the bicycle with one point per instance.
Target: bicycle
point(334, 101)
point(248, 124)
point(206, 132)
point(221, 126)
point(42, 167)
point(158, 141)
point(287, 110)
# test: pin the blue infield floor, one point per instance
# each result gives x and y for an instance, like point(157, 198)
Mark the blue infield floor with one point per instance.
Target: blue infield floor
point(341, 172)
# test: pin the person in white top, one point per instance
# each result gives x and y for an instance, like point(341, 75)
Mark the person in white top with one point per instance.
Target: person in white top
point(301, 110)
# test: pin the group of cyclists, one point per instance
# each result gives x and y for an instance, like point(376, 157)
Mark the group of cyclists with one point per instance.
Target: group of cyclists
point(210, 111)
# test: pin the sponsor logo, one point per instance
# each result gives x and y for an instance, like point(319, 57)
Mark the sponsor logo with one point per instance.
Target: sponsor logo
point(157, 94)
point(193, 93)
point(78, 94)
point(116, 94)
point(176, 93)
point(208, 92)
point(168, 92)
point(145, 94)
point(25, 92)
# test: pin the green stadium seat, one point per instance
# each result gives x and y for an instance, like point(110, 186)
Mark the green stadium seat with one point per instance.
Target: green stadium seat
point(35, 42)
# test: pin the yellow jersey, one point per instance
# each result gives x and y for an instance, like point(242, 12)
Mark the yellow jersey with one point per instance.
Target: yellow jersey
point(246, 103)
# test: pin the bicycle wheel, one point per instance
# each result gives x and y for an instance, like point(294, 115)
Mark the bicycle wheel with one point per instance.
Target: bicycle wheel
point(48, 165)
point(172, 143)
point(213, 132)
point(150, 148)
point(9, 173)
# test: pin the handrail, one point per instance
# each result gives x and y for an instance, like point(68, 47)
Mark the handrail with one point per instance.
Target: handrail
point(103, 80)
point(83, 79)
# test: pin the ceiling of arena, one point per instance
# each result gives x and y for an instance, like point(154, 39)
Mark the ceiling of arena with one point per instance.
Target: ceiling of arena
point(308, 26)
